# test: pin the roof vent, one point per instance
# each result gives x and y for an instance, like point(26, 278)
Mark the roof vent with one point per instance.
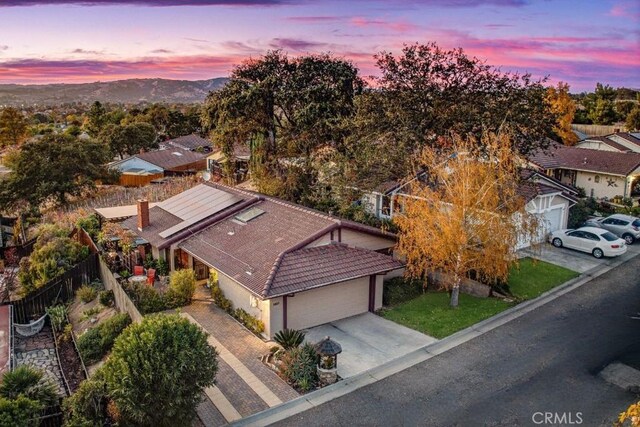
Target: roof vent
point(175, 153)
point(584, 162)
point(248, 215)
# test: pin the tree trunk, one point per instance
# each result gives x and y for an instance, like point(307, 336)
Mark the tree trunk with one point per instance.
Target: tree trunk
point(455, 291)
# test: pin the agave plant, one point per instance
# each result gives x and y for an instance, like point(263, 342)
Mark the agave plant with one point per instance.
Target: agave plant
point(58, 316)
point(289, 338)
point(28, 382)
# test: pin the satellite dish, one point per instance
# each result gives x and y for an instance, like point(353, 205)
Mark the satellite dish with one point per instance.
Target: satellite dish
point(206, 176)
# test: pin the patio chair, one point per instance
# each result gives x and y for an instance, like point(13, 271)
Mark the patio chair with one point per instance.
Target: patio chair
point(138, 270)
point(151, 276)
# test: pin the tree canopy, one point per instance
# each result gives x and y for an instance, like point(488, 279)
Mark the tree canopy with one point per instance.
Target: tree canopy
point(565, 108)
point(129, 139)
point(52, 169)
point(465, 215)
point(13, 127)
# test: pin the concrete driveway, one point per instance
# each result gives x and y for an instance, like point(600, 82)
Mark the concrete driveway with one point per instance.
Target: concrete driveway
point(368, 341)
point(574, 260)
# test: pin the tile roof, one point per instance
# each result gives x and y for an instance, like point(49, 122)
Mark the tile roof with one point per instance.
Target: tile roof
point(171, 158)
point(159, 220)
point(189, 142)
point(585, 159)
point(609, 142)
point(628, 137)
point(323, 265)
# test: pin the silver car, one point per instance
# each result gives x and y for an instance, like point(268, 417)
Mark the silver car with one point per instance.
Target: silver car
point(625, 226)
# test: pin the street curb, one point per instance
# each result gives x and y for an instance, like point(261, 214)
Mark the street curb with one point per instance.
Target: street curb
point(341, 388)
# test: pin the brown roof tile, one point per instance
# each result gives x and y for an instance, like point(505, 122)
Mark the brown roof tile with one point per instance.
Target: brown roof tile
point(171, 158)
point(609, 142)
point(323, 265)
point(159, 220)
point(585, 159)
point(189, 142)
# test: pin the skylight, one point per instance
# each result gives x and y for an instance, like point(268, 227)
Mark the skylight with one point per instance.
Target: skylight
point(249, 214)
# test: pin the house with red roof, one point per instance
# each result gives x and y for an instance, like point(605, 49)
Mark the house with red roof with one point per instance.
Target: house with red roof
point(285, 264)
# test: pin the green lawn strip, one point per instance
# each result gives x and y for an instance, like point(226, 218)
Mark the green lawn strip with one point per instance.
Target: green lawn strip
point(430, 313)
point(530, 278)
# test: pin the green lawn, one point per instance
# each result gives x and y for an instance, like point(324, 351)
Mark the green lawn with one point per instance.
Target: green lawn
point(430, 313)
point(530, 279)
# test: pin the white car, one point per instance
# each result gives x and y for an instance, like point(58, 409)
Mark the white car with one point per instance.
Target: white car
point(596, 241)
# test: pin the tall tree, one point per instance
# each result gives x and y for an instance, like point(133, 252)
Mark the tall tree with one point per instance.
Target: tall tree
point(53, 168)
point(563, 106)
point(428, 92)
point(466, 215)
point(96, 118)
point(13, 127)
point(283, 107)
point(129, 139)
point(633, 119)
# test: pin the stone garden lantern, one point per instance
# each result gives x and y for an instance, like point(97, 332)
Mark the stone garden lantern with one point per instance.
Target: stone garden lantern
point(328, 351)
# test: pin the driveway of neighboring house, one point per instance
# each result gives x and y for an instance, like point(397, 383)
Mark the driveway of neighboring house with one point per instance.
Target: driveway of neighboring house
point(574, 260)
point(368, 341)
point(244, 385)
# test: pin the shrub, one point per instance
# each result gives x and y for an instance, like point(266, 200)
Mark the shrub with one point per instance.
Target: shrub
point(87, 314)
point(31, 383)
point(220, 300)
point(289, 338)
point(98, 341)
point(162, 267)
point(87, 293)
point(147, 299)
point(86, 407)
point(298, 367)
point(18, 412)
point(182, 286)
point(399, 289)
point(106, 298)
point(58, 317)
point(165, 385)
point(254, 325)
point(149, 262)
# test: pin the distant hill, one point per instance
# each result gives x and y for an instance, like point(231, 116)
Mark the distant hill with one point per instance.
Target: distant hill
point(130, 91)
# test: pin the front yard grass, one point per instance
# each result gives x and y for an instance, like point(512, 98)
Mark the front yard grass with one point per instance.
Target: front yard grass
point(530, 278)
point(430, 313)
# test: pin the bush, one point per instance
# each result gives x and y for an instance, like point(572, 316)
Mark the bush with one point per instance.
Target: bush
point(18, 412)
point(149, 262)
point(31, 383)
point(58, 317)
point(219, 299)
point(86, 407)
point(289, 338)
point(158, 369)
point(399, 289)
point(98, 341)
point(86, 293)
point(254, 325)
point(298, 367)
point(162, 267)
point(146, 299)
point(106, 298)
point(182, 286)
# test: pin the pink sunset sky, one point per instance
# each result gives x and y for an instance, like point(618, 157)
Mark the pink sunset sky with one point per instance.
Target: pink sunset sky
point(580, 42)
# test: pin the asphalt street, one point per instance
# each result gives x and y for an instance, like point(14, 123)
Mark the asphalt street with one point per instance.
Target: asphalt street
point(546, 361)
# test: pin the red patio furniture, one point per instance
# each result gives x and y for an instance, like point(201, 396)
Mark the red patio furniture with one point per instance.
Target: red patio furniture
point(138, 270)
point(151, 276)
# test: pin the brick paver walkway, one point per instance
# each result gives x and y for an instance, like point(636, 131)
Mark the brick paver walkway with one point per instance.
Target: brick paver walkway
point(39, 351)
point(243, 385)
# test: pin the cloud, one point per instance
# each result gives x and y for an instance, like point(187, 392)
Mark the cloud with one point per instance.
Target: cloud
point(197, 40)
point(154, 3)
point(629, 10)
point(316, 19)
point(155, 51)
point(86, 52)
point(295, 44)
point(397, 26)
point(3, 47)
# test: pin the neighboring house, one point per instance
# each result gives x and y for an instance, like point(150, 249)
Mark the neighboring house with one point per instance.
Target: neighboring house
point(545, 197)
point(290, 266)
point(191, 142)
point(141, 169)
point(621, 142)
point(602, 174)
point(217, 161)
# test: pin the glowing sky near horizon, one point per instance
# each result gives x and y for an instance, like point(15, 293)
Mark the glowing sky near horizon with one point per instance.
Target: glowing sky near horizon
point(68, 41)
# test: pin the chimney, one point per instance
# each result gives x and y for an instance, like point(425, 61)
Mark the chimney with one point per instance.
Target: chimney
point(143, 213)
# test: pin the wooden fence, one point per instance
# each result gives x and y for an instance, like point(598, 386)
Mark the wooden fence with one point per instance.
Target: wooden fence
point(123, 302)
point(58, 290)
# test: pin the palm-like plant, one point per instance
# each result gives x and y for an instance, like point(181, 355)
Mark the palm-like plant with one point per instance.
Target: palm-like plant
point(289, 338)
point(30, 383)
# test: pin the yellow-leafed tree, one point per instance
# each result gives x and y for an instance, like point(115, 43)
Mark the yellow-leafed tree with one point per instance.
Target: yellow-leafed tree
point(465, 215)
point(564, 108)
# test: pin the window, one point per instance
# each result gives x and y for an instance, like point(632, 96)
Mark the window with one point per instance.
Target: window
point(636, 223)
point(579, 234)
point(609, 236)
point(249, 214)
point(596, 179)
point(591, 236)
point(609, 221)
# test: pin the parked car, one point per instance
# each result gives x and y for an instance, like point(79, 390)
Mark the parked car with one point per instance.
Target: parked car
point(596, 241)
point(625, 226)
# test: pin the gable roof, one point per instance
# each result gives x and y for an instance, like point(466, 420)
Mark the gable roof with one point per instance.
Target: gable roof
point(170, 158)
point(314, 267)
point(189, 142)
point(586, 159)
point(611, 143)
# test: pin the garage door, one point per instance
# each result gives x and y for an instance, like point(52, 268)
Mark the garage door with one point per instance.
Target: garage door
point(324, 305)
point(549, 221)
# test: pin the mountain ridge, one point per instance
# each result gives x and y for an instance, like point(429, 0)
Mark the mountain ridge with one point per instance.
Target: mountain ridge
point(127, 91)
